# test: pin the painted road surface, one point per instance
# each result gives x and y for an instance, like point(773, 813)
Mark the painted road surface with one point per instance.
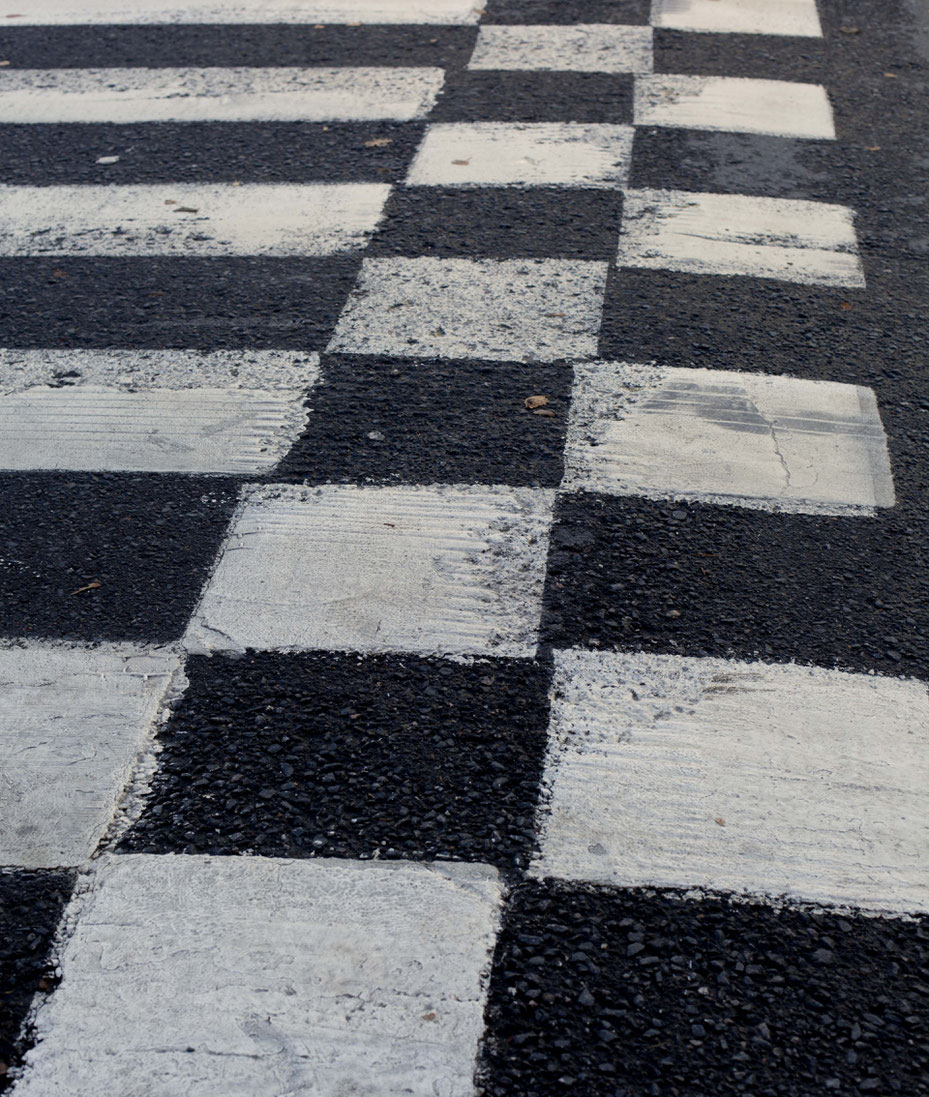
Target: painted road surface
point(463, 548)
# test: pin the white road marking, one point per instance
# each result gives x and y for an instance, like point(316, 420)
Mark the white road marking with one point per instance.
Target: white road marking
point(583, 47)
point(518, 310)
point(736, 234)
point(776, 443)
point(152, 411)
point(796, 17)
point(189, 219)
point(745, 777)
point(217, 94)
point(252, 976)
point(440, 569)
point(487, 154)
point(72, 721)
point(64, 12)
point(734, 104)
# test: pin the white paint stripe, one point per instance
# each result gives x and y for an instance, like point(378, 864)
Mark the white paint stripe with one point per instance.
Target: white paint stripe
point(519, 310)
point(64, 12)
point(734, 104)
point(155, 411)
point(217, 95)
point(770, 780)
point(777, 443)
point(731, 234)
point(434, 569)
point(227, 976)
point(483, 154)
point(72, 721)
point(189, 219)
point(583, 47)
point(798, 17)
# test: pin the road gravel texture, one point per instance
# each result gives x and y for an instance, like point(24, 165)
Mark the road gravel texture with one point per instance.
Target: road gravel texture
point(593, 991)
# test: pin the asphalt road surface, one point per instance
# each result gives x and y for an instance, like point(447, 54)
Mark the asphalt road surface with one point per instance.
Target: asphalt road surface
point(464, 548)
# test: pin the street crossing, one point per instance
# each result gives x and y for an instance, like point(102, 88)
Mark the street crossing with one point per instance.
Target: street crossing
point(417, 609)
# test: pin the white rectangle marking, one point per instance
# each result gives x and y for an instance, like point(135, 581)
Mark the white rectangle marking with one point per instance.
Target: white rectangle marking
point(217, 94)
point(235, 412)
point(581, 47)
point(734, 104)
point(440, 569)
point(253, 977)
point(189, 219)
point(745, 777)
point(72, 721)
point(488, 154)
point(735, 234)
point(775, 443)
point(517, 310)
point(64, 12)
point(795, 17)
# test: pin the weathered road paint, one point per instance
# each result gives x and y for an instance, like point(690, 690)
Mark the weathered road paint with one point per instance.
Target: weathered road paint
point(796, 17)
point(581, 47)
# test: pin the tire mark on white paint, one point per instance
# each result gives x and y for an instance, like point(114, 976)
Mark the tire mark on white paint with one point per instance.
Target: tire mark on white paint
point(813, 243)
point(775, 443)
point(791, 17)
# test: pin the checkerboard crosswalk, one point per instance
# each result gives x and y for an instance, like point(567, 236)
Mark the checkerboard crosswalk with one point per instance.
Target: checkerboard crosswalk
point(303, 806)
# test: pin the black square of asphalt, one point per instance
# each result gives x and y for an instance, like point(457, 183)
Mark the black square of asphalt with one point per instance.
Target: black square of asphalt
point(340, 755)
point(107, 556)
point(412, 421)
point(602, 993)
point(31, 904)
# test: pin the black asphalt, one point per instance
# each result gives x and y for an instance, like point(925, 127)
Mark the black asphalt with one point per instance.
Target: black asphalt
point(400, 756)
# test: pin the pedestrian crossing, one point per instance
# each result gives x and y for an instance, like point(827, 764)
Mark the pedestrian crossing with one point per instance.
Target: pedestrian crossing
point(383, 631)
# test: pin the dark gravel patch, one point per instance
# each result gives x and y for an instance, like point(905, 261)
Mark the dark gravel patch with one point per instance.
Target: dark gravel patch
point(641, 994)
point(339, 755)
point(31, 904)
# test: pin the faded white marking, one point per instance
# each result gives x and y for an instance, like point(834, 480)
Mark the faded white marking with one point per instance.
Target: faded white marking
point(485, 154)
point(72, 721)
point(217, 94)
point(582, 47)
point(63, 12)
point(796, 17)
point(734, 104)
point(736, 234)
point(189, 219)
point(745, 777)
point(777, 443)
point(234, 412)
point(519, 310)
point(253, 977)
point(441, 569)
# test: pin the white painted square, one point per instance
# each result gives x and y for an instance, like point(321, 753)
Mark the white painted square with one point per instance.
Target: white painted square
point(217, 94)
point(257, 977)
point(735, 234)
point(235, 412)
point(776, 443)
point(64, 12)
point(734, 104)
point(190, 219)
point(745, 777)
point(518, 310)
point(795, 17)
point(523, 154)
point(441, 569)
point(72, 721)
point(581, 47)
